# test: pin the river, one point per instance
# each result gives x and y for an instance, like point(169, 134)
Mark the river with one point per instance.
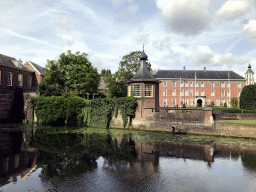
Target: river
point(41, 158)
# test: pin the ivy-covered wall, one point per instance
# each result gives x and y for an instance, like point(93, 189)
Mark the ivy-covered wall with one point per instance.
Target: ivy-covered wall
point(74, 110)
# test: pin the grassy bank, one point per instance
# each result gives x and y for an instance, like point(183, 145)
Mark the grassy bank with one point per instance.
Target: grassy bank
point(240, 121)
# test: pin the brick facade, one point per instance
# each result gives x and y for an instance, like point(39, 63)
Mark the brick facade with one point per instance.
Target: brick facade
point(170, 95)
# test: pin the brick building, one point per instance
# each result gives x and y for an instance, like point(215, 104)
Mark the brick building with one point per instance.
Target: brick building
point(16, 79)
point(198, 87)
point(39, 72)
point(249, 76)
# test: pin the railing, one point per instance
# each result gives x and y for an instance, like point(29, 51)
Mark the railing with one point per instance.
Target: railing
point(30, 89)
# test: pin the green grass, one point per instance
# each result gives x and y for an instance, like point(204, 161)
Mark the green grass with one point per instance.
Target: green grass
point(240, 121)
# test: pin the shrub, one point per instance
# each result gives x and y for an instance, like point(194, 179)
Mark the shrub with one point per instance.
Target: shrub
point(225, 105)
point(234, 102)
point(184, 106)
point(248, 97)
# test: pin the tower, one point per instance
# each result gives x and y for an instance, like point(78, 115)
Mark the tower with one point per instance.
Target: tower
point(249, 75)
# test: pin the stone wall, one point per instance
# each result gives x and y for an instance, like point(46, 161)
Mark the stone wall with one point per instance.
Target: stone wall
point(240, 116)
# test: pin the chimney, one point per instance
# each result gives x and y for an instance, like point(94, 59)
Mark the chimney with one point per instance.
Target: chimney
point(184, 68)
point(204, 69)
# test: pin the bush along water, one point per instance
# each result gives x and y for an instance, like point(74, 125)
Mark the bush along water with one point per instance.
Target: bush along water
point(74, 110)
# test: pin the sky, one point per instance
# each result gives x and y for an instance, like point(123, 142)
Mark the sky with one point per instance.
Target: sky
point(216, 34)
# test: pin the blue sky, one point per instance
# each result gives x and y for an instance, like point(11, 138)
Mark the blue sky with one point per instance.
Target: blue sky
point(216, 34)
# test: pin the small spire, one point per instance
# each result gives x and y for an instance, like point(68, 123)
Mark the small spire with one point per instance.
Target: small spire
point(143, 47)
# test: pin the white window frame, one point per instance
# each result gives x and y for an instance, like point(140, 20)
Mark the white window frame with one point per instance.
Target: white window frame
point(197, 84)
point(165, 101)
point(186, 84)
point(202, 84)
point(228, 93)
point(20, 80)
point(164, 92)
point(228, 84)
point(174, 83)
point(129, 89)
point(182, 92)
point(148, 90)
point(238, 93)
point(137, 91)
point(202, 92)
point(212, 92)
point(186, 92)
point(223, 93)
point(223, 101)
point(174, 92)
point(9, 78)
point(239, 84)
point(165, 84)
point(182, 83)
point(212, 84)
point(191, 102)
point(208, 101)
point(191, 84)
point(191, 92)
point(196, 93)
point(222, 84)
point(218, 102)
point(186, 102)
point(182, 101)
point(173, 101)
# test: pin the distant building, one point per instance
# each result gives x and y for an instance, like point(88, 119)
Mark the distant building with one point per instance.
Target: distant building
point(39, 72)
point(249, 76)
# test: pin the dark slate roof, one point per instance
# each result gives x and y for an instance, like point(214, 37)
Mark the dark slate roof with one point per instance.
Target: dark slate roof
point(143, 73)
point(38, 68)
point(8, 61)
point(102, 84)
point(190, 74)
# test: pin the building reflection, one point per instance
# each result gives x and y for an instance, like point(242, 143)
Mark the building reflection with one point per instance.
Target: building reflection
point(17, 159)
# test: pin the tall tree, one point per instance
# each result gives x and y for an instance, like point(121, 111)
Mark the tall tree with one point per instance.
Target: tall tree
point(72, 71)
point(128, 66)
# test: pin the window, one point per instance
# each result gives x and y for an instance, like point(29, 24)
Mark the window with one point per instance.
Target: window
point(191, 102)
point(222, 84)
point(222, 92)
point(228, 84)
point(218, 102)
point(136, 89)
point(202, 92)
point(20, 80)
point(196, 84)
point(129, 90)
point(186, 101)
point(9, 79)
point(165, 101)
point(208, 101)
point(196, 94)
point(186, 92)
point(182, 92)
point(213, 92)
point(212, 84)
point(174, 83)
point(174, 92)
point(228, 93)
point(165, 84)
point(223, 101)
point(164, 92)
point(239, 84)
point(148, 91)
point(182, 101)
point(30, 83)
point(182, 84)
point(191, 84)
point(173, 101)
point(202, 84)
point(191, 92)
point(228, 102)
point(186, 84)
point(239, 92)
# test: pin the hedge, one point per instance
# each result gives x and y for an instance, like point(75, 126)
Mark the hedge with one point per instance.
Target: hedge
point(232, 110)
point(74, 110)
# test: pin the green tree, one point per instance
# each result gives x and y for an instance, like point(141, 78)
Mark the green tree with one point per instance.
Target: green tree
point(248, 97)
point(234, 102)
point(128, 66)
point(72, 71)
point(106, 75)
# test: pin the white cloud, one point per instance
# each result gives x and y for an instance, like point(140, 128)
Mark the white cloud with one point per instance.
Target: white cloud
point(204, 56)
point(131, 9)
point(142, 39)
point(163, 44)
point(185, 17)
point(250, 30)
point(231, 10)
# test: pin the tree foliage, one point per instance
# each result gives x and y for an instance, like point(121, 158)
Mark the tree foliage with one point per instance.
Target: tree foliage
point(128, 66)
point(234, 102)
point(72, 71)
point(248, 97)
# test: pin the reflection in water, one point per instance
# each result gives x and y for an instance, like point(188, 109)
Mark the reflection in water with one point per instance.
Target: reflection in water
point(87, 159)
